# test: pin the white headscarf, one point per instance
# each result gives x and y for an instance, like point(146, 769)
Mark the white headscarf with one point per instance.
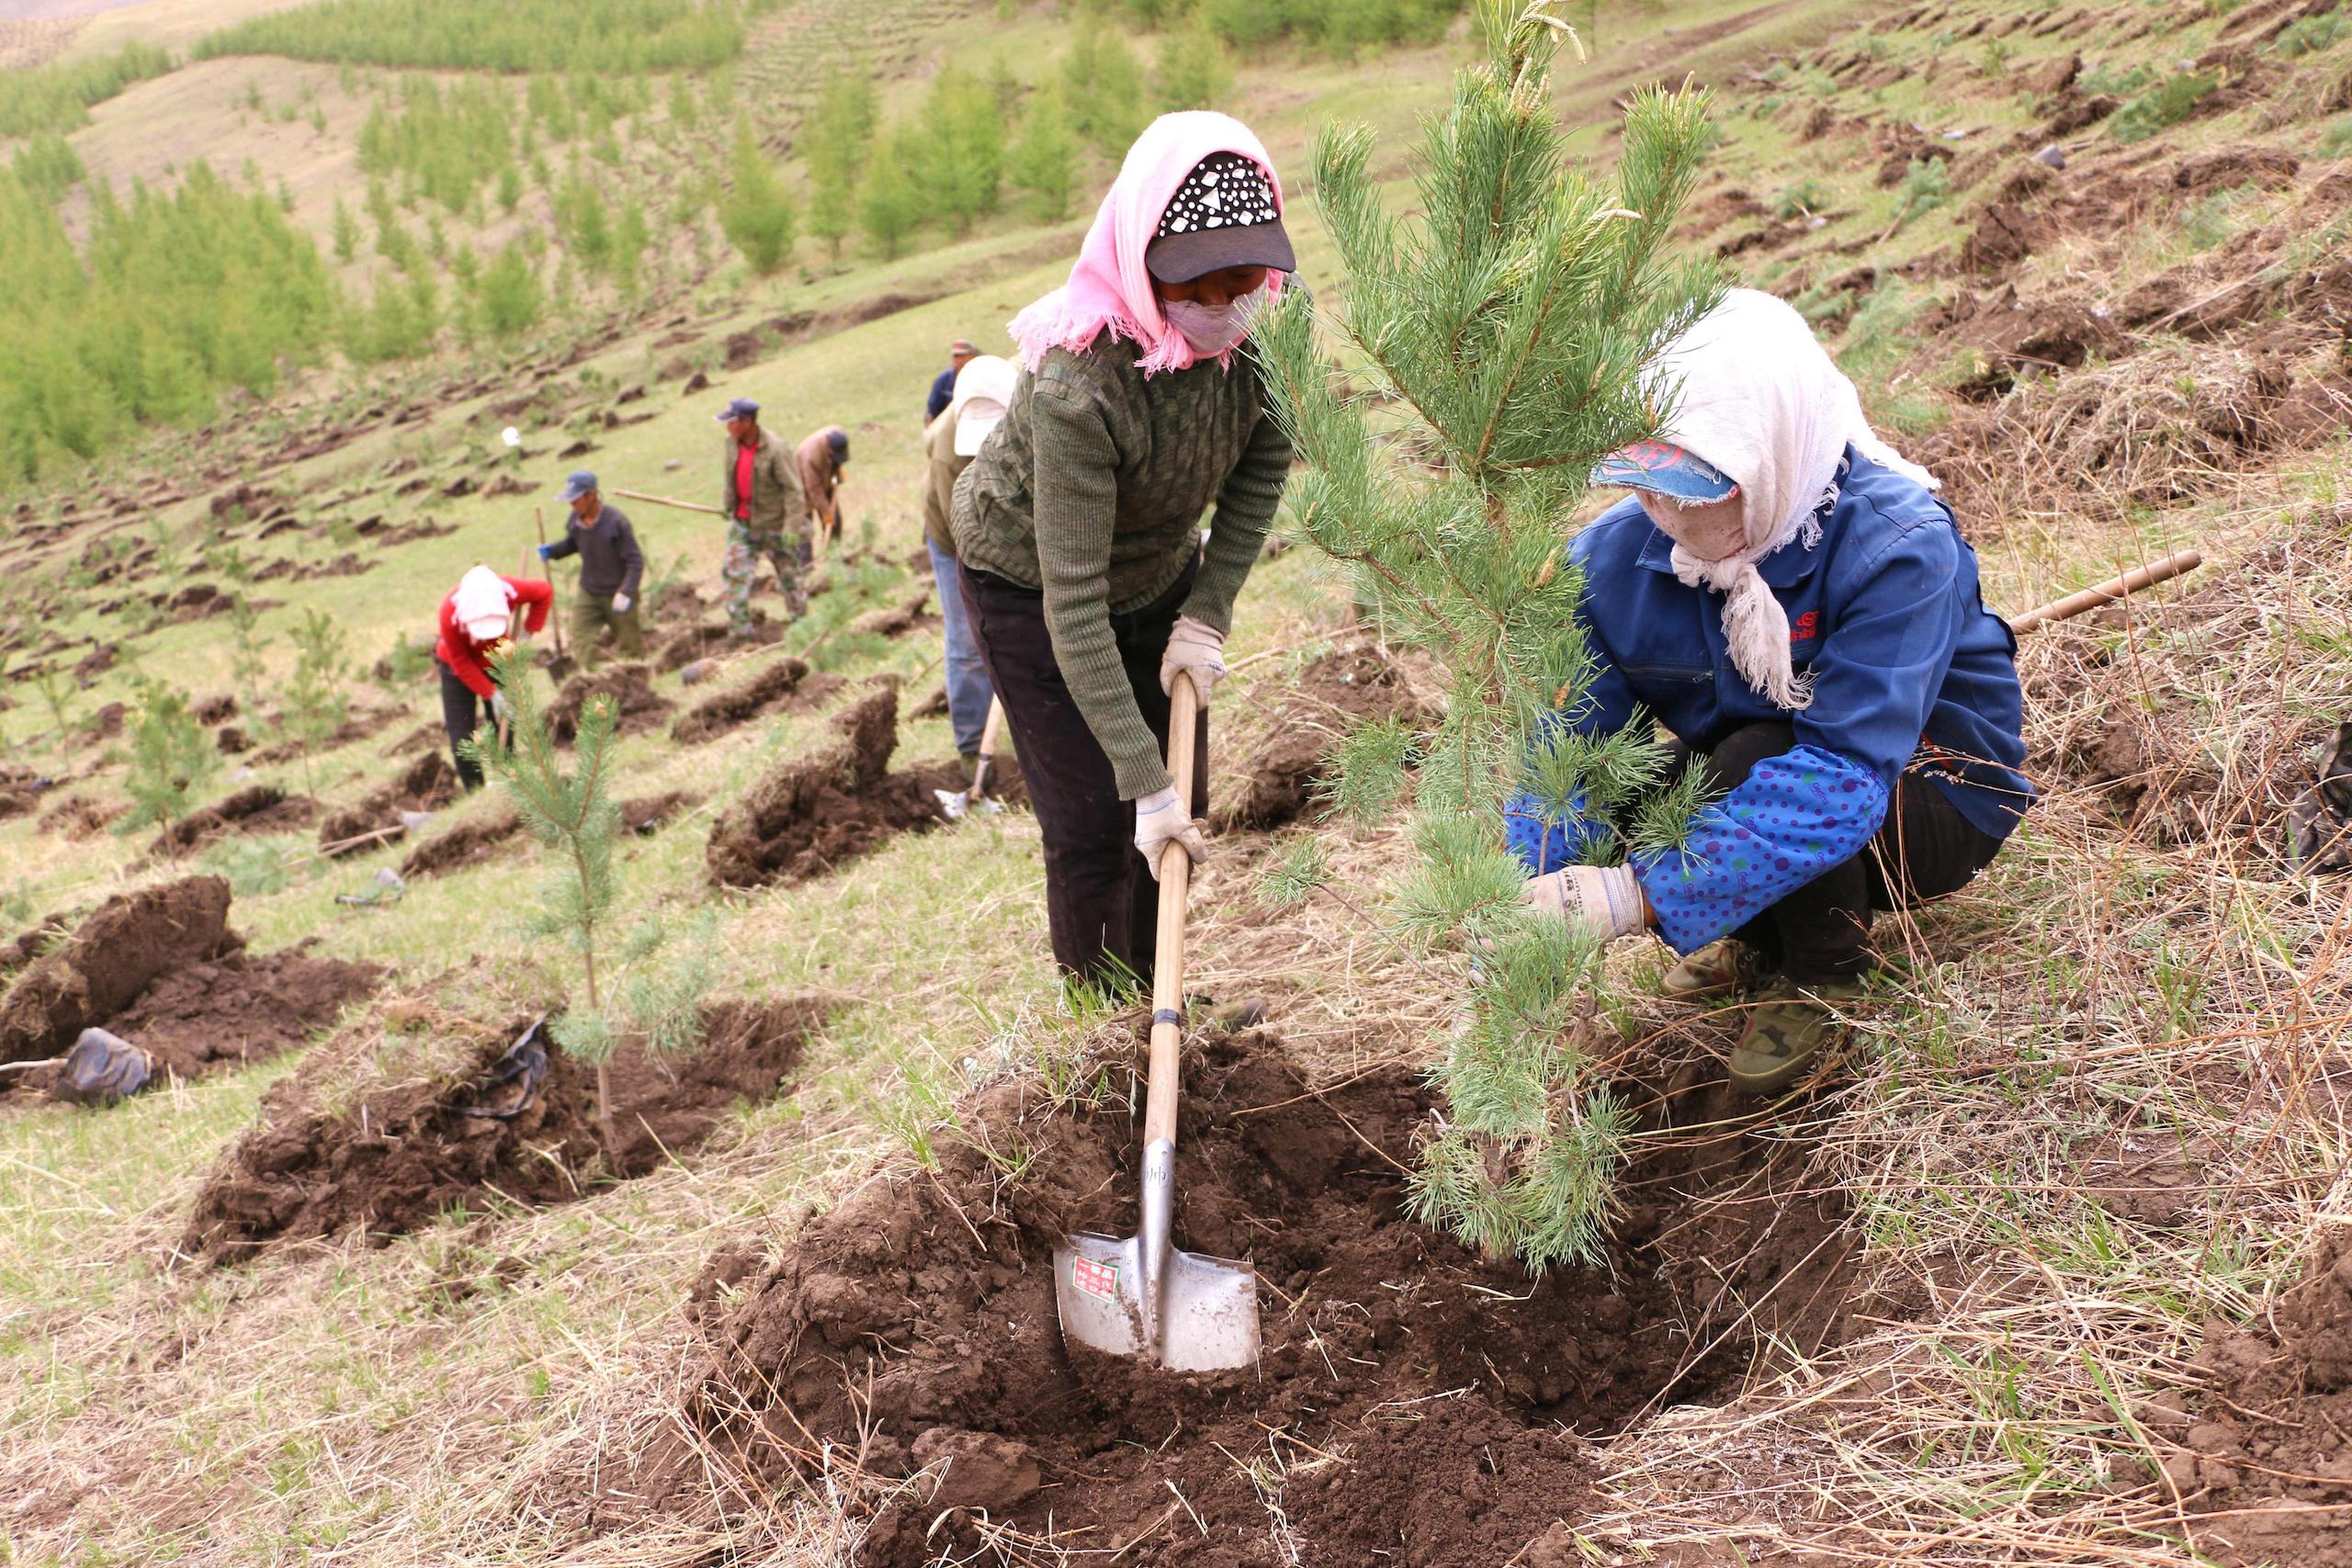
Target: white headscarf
point(482, 599)
point(1760, 398)
point(983, 391)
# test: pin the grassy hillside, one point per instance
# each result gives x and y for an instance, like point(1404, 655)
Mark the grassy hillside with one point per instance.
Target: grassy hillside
point(2032, 1282)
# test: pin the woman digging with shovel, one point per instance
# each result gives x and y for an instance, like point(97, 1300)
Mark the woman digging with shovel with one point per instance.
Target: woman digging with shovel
point(1788, 597)
point(1077, 526)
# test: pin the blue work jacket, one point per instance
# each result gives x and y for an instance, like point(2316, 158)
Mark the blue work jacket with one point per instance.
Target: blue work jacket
point(1909, 672)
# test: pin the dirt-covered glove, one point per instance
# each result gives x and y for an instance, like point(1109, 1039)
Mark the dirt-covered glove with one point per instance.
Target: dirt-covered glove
point(1195, 645)
point(621, 602)
point(1162, 819)
point(1606, 897)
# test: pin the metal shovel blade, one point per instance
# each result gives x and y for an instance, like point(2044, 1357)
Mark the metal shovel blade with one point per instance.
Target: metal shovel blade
point(1142, 1297)
point(952, 803)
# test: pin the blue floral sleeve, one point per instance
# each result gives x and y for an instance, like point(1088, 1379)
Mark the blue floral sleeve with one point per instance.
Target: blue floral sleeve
point(1795, 817)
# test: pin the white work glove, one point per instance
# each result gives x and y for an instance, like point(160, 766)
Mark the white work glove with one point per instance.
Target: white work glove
point(1605, 897)
point(1162, 819)
point(498, 708)
point(1195, 645)
point(621, 602)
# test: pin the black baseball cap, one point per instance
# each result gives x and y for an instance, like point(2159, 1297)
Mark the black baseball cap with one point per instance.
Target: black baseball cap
point(1223, 215)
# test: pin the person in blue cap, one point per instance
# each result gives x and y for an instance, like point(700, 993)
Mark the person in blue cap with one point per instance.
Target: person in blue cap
point(760, 499)
point(1788, 597)
point(611, 569)
point(942, 386)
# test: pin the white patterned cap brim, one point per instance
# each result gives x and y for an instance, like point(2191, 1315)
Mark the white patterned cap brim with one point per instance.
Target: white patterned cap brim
point(1223, 215)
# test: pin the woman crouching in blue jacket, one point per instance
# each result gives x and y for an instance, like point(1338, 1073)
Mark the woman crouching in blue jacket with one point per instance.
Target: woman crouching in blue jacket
point(1788, 597)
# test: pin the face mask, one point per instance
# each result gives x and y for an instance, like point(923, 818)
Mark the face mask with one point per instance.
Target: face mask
point(1210, 328)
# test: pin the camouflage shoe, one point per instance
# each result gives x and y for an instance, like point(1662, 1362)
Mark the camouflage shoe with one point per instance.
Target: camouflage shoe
point(1787, 1030)
point(1717, 969)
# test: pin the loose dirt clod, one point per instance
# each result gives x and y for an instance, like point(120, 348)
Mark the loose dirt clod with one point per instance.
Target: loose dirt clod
point(426, 785)
point(240, 1009)
point(256, 808)
point(630, 686)
point(359, 1138)
point(2268, 1446)
point(774, 682)
point(130, 941)
point(808, 816)
point(1414, 1404)
point(467, 843)
point(1329, 698)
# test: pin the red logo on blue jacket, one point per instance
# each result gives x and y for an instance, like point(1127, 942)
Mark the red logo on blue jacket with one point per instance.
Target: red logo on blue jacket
point(1806, 626)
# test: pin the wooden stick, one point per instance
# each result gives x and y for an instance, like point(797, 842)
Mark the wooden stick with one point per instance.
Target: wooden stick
point(539, 521)
point(27, 1067)
point(1175, 884)
point(2107, 593)
point(665, 500)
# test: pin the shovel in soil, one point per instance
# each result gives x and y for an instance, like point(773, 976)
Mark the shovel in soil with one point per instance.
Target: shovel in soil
point(1139, 1295)
point(957, 804)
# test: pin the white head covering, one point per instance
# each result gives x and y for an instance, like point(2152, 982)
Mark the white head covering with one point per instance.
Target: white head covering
point(983, 391)
point(1760, 398)
point(485, 605)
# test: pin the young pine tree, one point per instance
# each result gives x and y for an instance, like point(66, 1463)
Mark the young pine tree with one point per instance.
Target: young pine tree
point(835, 142)
point(1503, 330)
point(756, 214)
point(891, 207)
point(1193, 69)
point(347, 233)
point(315, 701)
point(572, 813)
point(171, 757)
point(1043, 163)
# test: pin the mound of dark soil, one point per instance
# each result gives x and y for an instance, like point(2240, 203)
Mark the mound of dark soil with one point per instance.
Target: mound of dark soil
point(358, 727)
point(79, 816)
point(256, 808)
point(809, 816)
point(2266, 1448)
point(467, 843)
point(20, 791)
point(629, 685)
point(1330, 696)
point(393, 1157)
point(649, 814)
point(128, 943)
point(690, 645)
point(426, 785)
point(240, 1009)
point(1422, 1407)
point(775, 679)
point(898, 620)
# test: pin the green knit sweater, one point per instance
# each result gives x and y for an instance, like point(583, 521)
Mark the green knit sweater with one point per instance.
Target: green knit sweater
point(1091, 490)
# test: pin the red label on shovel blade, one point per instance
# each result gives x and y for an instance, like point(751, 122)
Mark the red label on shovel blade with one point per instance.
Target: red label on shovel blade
point(1100, 1280)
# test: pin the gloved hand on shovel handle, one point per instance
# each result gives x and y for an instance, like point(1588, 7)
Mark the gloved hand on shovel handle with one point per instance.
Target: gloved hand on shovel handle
point(1195, 645)
point(1160, 821)
point(1606, 898)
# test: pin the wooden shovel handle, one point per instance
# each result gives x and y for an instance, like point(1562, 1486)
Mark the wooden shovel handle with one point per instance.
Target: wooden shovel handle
point(1175, 884)
point(2107, 593)
point(665, 500)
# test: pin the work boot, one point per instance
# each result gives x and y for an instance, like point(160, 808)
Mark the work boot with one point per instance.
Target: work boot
point(1788, 1027)
point(1718, 969)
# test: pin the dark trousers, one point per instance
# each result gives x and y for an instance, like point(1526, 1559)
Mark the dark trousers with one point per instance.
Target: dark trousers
point(1102, 902)
point(1820, 933)
point(460, 712)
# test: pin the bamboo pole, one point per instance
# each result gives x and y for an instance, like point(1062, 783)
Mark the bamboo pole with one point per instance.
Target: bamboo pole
point(665, 500)
point(555, 612)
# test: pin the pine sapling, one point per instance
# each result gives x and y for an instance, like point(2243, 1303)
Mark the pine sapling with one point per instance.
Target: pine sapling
point(316, 703)
point(1500, 335)
point(171, 759)
point(571, 812)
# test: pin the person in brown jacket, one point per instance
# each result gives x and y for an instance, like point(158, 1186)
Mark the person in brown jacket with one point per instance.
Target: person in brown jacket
point(823, 455)
point(763, 502)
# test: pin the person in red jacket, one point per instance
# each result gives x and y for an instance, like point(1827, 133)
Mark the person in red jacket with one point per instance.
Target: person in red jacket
point(476, 619)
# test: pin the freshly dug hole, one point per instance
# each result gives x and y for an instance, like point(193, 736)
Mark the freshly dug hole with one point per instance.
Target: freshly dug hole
point(257, 808)
point(638, 706)
point(370, 1134)
point(806, 817)
point(1414, 1404)
point(722, 711)
point(1329, 698)
point(112, 957)
point(426, 785)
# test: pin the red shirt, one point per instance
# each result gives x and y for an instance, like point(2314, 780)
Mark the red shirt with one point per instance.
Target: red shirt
point(465, 657)
point(743, 458)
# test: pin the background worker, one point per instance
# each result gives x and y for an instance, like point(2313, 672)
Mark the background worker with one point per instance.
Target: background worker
point(477, 617)
point(611, 567)
point(983, 391)
point(1079, 525)
point(1787, 596)
point(943, 386)
point(759, 496)
point(823, 455)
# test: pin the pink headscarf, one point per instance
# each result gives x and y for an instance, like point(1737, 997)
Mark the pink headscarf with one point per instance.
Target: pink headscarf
point(1109, 287)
